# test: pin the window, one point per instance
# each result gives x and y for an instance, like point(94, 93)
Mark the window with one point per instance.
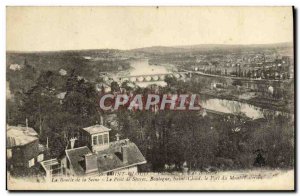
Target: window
point(94, 140)
point(40, 157)
point(100, 139)
point(31, 162)
point(105, 136)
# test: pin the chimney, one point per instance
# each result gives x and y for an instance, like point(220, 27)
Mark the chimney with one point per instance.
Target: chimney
point(47, 145)
point(124, 151)
point(26, 124)
point(126, 141)
point(101, 120)
point(90, 161)
point(118, 136)
point(72, 142)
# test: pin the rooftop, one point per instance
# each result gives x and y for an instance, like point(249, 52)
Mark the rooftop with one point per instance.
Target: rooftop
point(19, 136)
point(75, 155)
point(96, 129)
point(49, 164)
point(109, 159)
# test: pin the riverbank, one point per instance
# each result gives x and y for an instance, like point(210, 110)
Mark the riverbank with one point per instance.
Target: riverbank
point(268, 104)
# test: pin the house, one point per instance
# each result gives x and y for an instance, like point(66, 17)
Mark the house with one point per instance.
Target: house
point(103, 87)
point(95, 137)
point(62, 72)
point(61, 96)
point(97, 155)
point(23, 149)
point(52, 167)
point(217, 85)
point(16, 67)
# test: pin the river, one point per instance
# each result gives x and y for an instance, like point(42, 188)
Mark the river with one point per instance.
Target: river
point(232, 107)
point(142, 67)
point(236, 107)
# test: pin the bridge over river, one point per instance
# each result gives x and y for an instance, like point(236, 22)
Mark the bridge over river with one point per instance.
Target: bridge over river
point(153, 77)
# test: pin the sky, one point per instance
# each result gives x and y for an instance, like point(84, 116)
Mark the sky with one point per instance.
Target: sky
point(74, 28)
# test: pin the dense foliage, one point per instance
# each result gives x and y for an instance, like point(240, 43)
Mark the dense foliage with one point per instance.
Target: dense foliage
point(166, 138)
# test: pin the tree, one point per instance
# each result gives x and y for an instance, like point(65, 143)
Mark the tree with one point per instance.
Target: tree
point(170, 80)
point(40, 103)
point(115, 86)
point(80, 103)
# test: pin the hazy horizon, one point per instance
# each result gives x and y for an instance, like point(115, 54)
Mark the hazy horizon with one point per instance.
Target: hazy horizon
point(171, 46)
point(32, 29)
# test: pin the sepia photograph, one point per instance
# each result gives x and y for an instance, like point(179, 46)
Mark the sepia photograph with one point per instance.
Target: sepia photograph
point(156, 98)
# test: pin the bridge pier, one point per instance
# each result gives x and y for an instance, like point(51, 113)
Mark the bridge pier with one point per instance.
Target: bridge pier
point(154, 77)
